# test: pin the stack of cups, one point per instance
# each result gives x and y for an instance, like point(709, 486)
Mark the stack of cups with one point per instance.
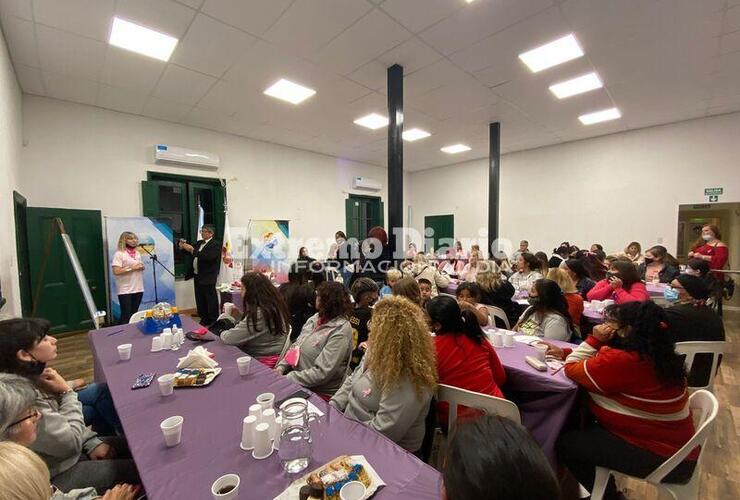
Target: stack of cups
point(262, 443)
point(172, 430)
point(248, 427)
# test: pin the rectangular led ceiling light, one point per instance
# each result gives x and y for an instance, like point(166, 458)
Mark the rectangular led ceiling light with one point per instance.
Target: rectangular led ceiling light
point(373, 121)
point(576, 86)
point(455, 148)
point(551, 54)
point(141, 40)
point(288, 91)
point(600, 116)
point(415, 134)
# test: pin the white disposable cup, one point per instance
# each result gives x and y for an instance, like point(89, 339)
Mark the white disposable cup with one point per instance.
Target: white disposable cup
point(172, 430)
point(256, 411)
point(354, 490)
point(243, 364)
point(228, 307)
point(498, 339)
point(124, 351)
point(248, 425)
point(167, 330)
point(277, 430)
point(608, 302)
point(167, 339)
point(541, 350)
point(166, 384)
point(266, 400)
point(268, 417)
point(156, 343)
point(262, 442)
point(223, 482)
point(509, 339)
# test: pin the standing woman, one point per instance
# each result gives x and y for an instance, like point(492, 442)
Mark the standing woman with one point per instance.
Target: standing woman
point(710, 248)
point(128, 272)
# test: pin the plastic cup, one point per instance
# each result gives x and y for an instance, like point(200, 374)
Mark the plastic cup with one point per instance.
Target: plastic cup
point(256, 411)
point(248, 425)
point(266, 400)
point(166, 384)
point(262, 442)
point(156, 343)
point(228, 307)
point(354, 490)
point(243, 365)
point(172, 430)
point(124, 351)
point(277, 430)
point(498, 339)
point(226, 487)
point(541, 350)
point(268, 417)
point(509, 339)
point(167, 339)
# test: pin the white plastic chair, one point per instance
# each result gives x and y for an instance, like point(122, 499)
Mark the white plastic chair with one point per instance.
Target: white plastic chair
point(490, 405)
point(691, 349)
point(706, 405)
point(496, 312)
point(286, 346)
point(137, 316)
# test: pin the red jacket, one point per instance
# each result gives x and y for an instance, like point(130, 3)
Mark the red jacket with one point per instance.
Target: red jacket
point(575, 307)
point(719, 255)
point(463, 363)
point(603, 290)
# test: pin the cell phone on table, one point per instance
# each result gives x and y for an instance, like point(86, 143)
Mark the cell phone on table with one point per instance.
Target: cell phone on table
point(143, 380)
point(300, 393)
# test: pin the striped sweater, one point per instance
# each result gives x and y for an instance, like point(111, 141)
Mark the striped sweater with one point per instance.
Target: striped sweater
point(628, 400)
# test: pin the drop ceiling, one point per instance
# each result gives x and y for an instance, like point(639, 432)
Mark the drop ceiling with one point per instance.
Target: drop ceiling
point(660, 60)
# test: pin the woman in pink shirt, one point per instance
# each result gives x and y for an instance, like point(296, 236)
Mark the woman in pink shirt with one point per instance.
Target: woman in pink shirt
point(128, 271)
point(622, 284)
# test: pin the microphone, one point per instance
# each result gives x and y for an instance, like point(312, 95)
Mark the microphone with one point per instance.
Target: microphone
point(142, 245)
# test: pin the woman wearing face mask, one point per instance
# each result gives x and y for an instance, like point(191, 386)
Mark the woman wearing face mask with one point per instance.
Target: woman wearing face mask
point(658, 266)
point(128, 272)
point(622, 284)
point(637, 396)
point(547, 315)
point(75, 455)
point(528, 272)
point(710, 248)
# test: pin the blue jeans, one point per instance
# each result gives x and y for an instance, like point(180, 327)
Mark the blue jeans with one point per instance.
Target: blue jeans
point(98, 410)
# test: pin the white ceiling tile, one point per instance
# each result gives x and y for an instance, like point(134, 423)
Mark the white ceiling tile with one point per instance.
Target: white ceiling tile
point(182, 85)
point(417, 15)
point(732, 19)
point(70, 89)
point(412, 54)
point(129, 70)
point(730, 42)
point(254, 16)
point(370, 37)
point(372, 75)
point(30, 79)
point(308, 25)
point(120, 99)
point(90, 18)
point(210, 46)
point(165, 16)
point(228, 99)
point(66, 53)
point(479, 20)
point(263, 64)
point(165, 110)
point(21, 41)
point(196, 4)
point(439, 74)
point(16, 8)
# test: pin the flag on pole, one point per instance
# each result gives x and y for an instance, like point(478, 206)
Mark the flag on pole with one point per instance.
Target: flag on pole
point(226, 272)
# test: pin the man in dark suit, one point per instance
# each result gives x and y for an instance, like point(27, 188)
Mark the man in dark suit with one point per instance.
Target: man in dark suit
point(204, 269)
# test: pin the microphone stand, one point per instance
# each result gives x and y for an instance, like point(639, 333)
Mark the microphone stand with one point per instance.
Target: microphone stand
point(153, 257)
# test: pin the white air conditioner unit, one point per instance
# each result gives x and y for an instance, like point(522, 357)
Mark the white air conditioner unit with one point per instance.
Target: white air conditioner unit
point(183, 156)
point(366, 184)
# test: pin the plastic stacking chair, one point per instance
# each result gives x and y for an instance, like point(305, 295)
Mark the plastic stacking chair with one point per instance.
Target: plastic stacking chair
point(137, 316)
point(496, 312)
point(691, 349)
point(705, 404)
point(490, 405)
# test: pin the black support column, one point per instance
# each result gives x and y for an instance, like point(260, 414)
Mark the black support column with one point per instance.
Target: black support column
point(395, 155)
point(494, 182)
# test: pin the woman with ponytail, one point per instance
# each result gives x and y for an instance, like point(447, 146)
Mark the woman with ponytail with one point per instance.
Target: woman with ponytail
point(465, 358)
point(637, 396)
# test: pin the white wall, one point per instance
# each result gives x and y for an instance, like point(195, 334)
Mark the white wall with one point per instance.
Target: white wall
point(84, 157)
point(10, 147)
point(610, 189)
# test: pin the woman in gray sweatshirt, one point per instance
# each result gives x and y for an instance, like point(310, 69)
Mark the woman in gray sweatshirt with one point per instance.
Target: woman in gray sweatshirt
point(319, 357)
point(391, 389)
point(262, 330)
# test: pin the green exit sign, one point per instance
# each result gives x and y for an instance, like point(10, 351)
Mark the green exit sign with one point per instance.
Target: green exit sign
point(712, 191)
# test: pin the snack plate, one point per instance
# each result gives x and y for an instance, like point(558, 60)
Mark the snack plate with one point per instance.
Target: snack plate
point(291, 493)
point(211, 373)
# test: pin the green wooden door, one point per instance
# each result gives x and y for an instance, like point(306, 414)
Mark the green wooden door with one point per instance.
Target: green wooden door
point(362, 213)
point(21, 246)
point(444, 231)
point(55, 290)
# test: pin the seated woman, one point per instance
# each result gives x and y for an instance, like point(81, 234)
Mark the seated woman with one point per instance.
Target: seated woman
point(391, 278)
point(528, 272)
point(465, 358)
point(547, 315)
point(409, 288)
point(468, 299)
point(423, 269)
point(577, 271)
point(633, 252)
point(622, 284)
point(471, 268)
point(63, 441)
point(365, 294)
point(18, 421)
point(495, 290)
point(299, 296)
point(638, 398)
point(319, 358)
point(572, 297)
point(391, 389)
point(263, 327)
point(448, 266)
point(658, 266)
point(511, 465)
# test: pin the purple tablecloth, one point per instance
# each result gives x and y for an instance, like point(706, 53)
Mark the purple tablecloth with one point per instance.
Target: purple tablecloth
point(213, 422)
point(593, 316)
point(544, 413)
point(656, 290)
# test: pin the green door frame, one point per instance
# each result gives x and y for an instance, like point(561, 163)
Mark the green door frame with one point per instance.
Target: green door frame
point(20, 207)
point(377, 218)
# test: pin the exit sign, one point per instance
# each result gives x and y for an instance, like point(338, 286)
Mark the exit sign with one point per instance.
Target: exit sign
point(712, 191)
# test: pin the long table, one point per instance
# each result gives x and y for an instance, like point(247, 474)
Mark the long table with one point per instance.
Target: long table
point(213, 421)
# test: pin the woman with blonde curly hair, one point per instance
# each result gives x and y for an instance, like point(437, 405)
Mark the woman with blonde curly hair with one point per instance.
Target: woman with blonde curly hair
point(391, 389)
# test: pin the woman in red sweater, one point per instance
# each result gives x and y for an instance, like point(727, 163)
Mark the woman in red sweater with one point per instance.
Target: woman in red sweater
point(465, 358)
point(637, 395)
point(710, 248)
point(622, 284)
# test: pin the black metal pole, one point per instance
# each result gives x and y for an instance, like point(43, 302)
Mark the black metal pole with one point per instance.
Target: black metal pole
point(395, 157)
point(494, 182)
